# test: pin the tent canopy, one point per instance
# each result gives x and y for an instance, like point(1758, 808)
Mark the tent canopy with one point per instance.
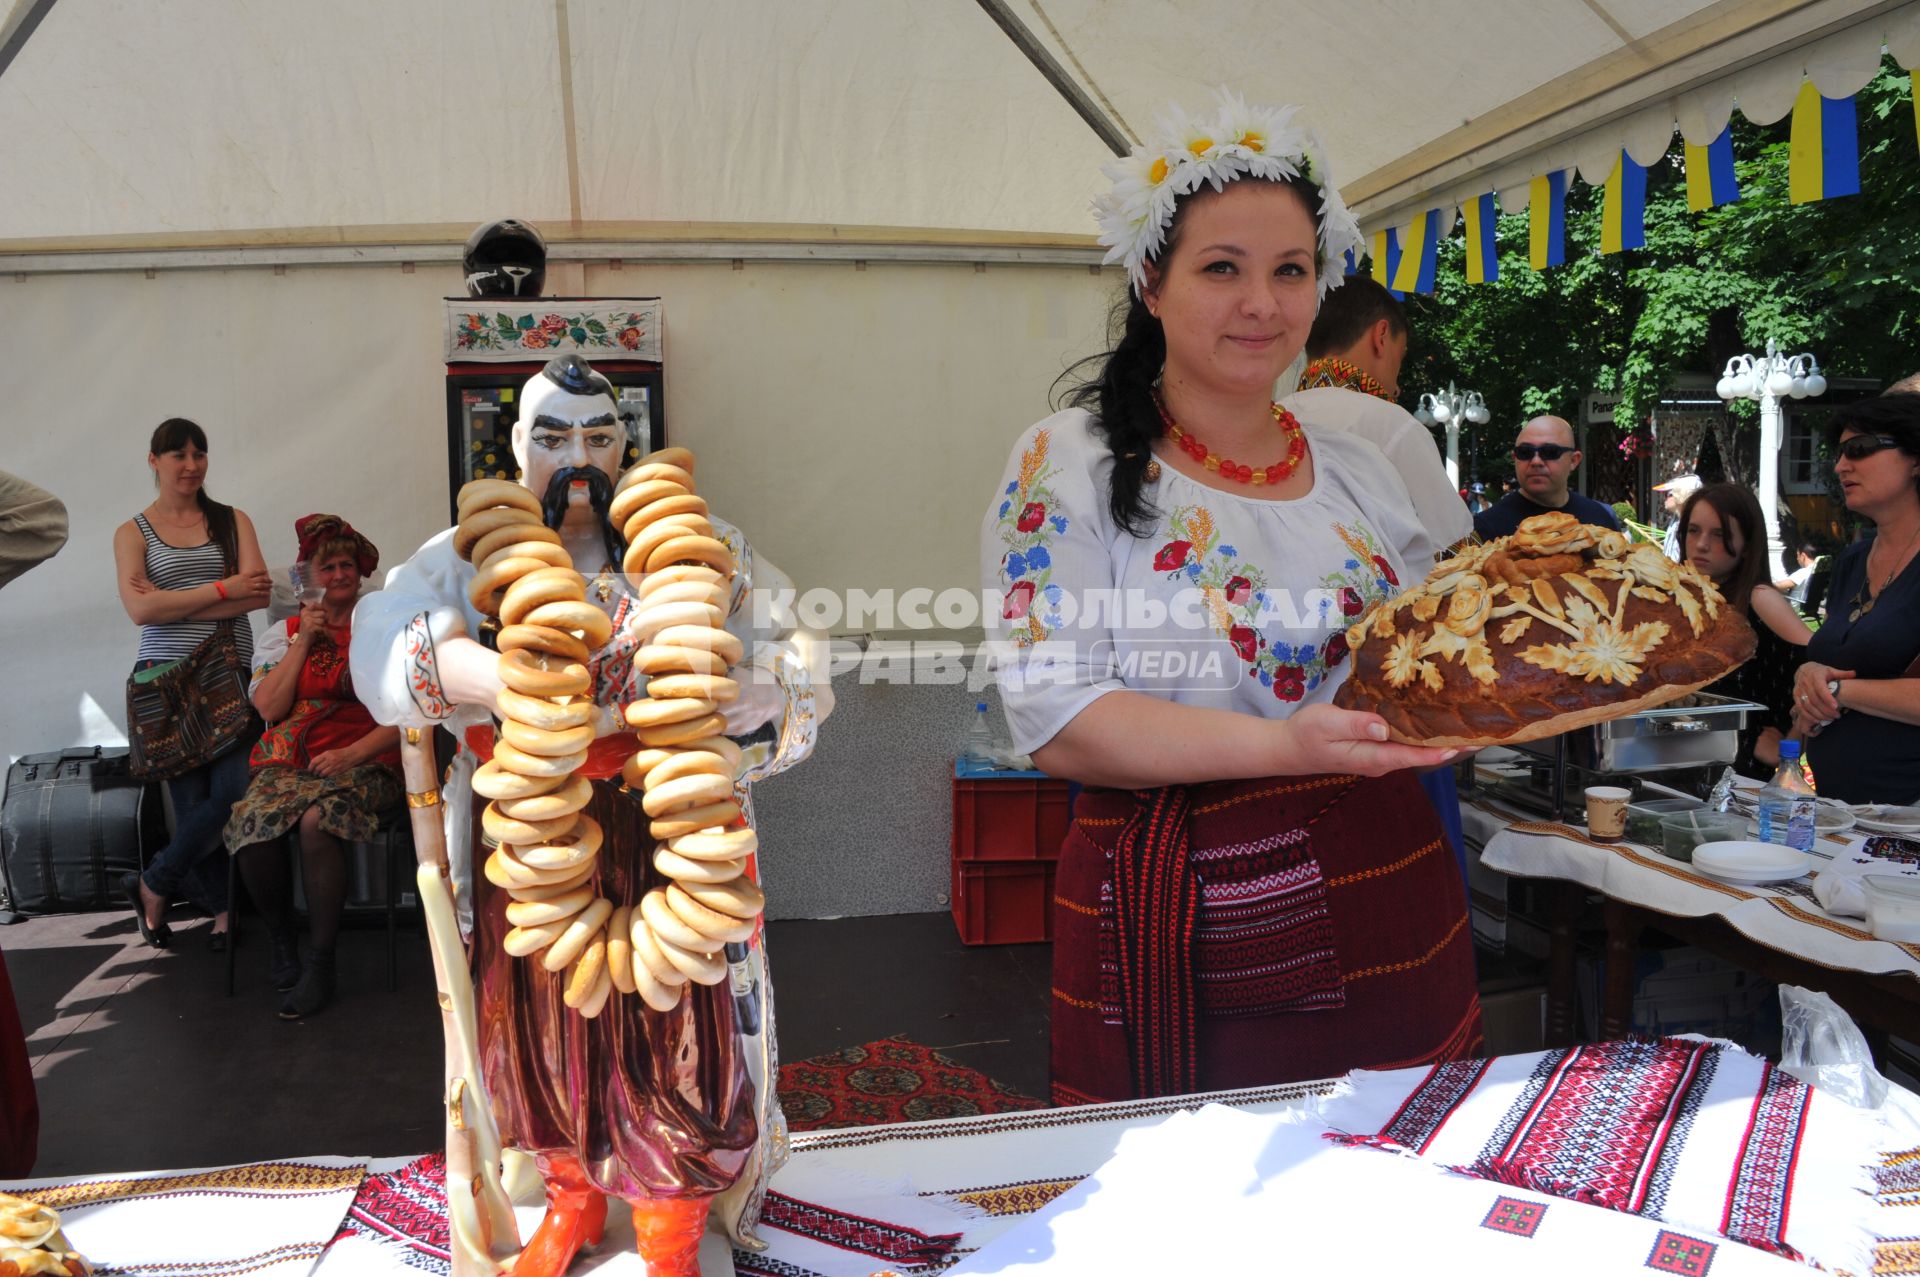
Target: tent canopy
point(952, 126)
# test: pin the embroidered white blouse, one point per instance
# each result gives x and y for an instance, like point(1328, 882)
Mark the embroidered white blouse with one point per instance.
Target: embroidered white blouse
point(1234, 602)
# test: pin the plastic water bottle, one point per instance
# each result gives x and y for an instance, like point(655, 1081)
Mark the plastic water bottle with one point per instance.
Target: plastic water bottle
point(978, 750)
point(1787, 805)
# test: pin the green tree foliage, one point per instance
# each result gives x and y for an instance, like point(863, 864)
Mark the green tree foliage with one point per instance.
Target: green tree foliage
point(1839, 276)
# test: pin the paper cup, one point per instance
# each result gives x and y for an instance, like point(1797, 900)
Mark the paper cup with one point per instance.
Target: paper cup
point(1607, 812)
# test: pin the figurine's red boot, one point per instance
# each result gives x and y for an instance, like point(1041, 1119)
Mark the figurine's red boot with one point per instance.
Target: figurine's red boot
point(576, 1216)
point(668, 1232)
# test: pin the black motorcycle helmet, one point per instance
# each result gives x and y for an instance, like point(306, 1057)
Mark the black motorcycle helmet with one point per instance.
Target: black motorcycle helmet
point(506, 258)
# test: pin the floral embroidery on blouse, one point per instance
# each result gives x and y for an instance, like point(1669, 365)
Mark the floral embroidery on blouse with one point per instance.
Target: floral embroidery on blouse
point(1238, 599)
point(1028, 521)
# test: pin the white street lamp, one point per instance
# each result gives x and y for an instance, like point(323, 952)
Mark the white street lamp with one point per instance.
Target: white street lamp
point(1769, 379)
point(1449, 408)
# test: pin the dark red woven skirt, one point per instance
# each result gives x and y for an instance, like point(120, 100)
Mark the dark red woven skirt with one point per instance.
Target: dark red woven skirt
point(1331, 935)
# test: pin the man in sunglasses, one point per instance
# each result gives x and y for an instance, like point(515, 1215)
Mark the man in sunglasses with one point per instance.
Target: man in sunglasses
point(1544, 458)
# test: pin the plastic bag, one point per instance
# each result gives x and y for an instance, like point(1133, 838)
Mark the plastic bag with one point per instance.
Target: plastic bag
point(1822, 1046)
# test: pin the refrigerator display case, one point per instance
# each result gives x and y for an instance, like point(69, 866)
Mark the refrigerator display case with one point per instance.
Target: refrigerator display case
point(494, 344)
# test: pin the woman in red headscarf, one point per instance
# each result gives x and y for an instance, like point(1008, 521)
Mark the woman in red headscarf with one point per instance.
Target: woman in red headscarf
point(324, 768)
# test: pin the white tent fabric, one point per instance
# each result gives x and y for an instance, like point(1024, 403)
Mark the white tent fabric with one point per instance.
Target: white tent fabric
point(126, 124)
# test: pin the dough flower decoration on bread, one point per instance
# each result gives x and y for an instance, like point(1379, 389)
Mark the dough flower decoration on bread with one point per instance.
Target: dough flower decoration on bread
point(1558, 626)
point(31, 1244)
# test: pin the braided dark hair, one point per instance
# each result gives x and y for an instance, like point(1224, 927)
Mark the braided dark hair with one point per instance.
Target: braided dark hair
point(1117, 386)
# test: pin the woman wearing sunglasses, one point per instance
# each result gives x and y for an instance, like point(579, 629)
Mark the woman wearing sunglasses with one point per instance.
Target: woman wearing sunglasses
point(1544, 458)
point(1858, 694)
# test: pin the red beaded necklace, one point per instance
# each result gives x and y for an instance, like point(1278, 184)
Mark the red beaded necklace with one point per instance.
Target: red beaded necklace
point(1274, 473)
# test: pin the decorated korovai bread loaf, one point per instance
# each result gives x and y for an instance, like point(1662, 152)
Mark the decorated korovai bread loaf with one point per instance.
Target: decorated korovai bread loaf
point(1558, 626)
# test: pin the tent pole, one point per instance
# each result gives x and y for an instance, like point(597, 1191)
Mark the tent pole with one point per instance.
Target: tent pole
point(18, 26)
point(1057, 76)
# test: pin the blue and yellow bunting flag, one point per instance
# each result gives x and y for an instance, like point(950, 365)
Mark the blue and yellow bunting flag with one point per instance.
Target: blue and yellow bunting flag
point(1350, 263)
point(1386, 259)
point(1623, 211)
point(1710, 179)
point(1547, 221)
point(1419, 255)
point(1823, 158)
point(1483, 262)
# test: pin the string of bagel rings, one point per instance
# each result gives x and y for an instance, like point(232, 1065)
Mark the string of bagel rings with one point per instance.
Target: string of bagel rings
point(683, 772)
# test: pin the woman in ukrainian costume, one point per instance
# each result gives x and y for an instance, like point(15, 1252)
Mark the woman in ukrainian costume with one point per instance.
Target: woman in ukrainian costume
point(666, 1110)
point(1255, 889)
point(323, 771)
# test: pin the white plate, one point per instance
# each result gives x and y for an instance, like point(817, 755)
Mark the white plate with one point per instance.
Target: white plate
point(1751, 862)
point(1833, 817)
point(1879, 819)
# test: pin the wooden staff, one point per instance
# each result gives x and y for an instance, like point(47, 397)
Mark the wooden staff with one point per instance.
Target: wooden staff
point(486, 1240)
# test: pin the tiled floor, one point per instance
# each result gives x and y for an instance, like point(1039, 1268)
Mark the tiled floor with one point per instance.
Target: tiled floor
point(142, 1061)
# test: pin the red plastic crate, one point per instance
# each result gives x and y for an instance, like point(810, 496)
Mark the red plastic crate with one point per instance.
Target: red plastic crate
point(1009, 819)
point(1003, 902)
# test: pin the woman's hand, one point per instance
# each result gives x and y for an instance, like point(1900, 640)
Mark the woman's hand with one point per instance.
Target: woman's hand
point(332, 763)
point(1811, 699)
point(1323, 738)
point(313, 622)
point(246, 586)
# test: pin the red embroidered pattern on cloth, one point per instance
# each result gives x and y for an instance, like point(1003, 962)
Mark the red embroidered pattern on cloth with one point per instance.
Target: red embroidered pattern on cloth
point(874, 1238)
point(406, 1208)
point(1263, 941)
point(1757, 1201)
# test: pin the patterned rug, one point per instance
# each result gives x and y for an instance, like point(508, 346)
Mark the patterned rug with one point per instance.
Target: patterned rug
point(892, 1080)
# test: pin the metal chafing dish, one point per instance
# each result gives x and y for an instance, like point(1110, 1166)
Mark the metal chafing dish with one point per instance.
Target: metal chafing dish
point(1700, 730)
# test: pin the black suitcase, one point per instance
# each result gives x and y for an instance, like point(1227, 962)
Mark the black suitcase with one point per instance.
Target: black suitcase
point(71, 824)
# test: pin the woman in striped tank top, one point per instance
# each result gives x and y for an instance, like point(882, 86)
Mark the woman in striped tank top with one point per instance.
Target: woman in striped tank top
point(184, 564)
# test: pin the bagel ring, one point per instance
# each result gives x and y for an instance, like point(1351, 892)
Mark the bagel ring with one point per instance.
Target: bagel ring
point(536, 674)
point(503, 871)
point(589, 969)
point(719, 844)
point(682, 457)
point(711, 687)
point(620, 948)
point(548, 585)
point(467, 533)
point(547, 744)
point(653, 991)
point(538, 711)
point(656, 659)
point(655, 617)
point(701, 968)
point(646, 470)
point(504, 828)
point(646, 540)
point(563, 851)
point(490, 581)
point(547, 891)
point(693, 548)
point(541, 638)
point(665, 504)
point(669, 928)
point(729, 752)
point(596, 999)
point(710, 923)
point(646, 714)
point(738, 898)
point(570, 614)
point(478, 494)
point(538, 913)
point(519, 534)
point(683, 871)
point(694, 820)
point(491, 780)
point(569, 796)
point(712, 593)
point(551, 553)
point(663, 799)
point(646, 952)
point(632, 498)
point(524, 942)
point(640, 765)
point(680, 733)
point(699, 639)
point(685, 762)
point(677, 574)
point(580, 931)
point(517, 760)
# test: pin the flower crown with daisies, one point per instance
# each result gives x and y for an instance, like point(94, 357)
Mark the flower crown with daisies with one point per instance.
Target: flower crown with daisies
point(1236, 141)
